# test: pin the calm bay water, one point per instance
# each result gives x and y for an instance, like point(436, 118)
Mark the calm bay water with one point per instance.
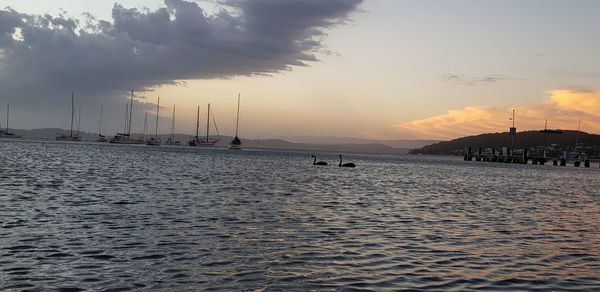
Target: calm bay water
point(96, 217)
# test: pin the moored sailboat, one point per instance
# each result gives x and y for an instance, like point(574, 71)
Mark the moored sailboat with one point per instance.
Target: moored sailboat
point(6, 133)
point(101, 138)
point(125, 137)
point(236, 143)
point(155, 141)
point(196, 141)
point(171, 140)
point(71, 137)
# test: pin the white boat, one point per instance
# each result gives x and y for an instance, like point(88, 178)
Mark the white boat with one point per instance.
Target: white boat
point(122, 138)
point(155, 141)
point(236, 143)
point(171, 142)
point(6, 133)
point(125, 137)
point(72, 137)
point(196, 141)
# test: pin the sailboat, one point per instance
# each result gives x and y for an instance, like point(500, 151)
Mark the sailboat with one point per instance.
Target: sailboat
point(145, 128)
point(101, 138)
point(71, 137)
point(236, 143)
point(171, 140)
point(6, 133)
point(196, 141)
point(155, 141)
point(125, 137)
point(79, 124)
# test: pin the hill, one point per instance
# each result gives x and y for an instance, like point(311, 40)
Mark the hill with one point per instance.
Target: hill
point(522, 140)
point(372, 148)
point(324, 140)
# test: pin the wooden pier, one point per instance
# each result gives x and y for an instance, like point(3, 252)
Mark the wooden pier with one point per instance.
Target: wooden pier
point(507, 155)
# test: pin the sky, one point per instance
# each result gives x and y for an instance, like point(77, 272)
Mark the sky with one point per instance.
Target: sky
point(379, 69)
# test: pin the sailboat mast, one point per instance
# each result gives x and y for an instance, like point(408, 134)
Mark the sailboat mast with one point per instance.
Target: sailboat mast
point(156, 127)
point(7, 115)
point(100, 123)
point(237, 120)
point(130, 114)
point(72, 111)
point(207, 122)
point(126, 117)
point(145, 125)
point(79, 122)
point(173, 125)
point(197, 122)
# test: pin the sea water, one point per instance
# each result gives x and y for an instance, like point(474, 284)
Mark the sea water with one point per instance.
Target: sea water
point(86, 216)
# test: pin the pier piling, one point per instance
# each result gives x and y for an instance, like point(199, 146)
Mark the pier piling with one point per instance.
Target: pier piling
point(468, 154)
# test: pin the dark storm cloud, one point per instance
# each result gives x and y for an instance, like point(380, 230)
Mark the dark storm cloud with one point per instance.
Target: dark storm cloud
point(44, 58)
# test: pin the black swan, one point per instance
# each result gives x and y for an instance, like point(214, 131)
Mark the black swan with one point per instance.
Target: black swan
point(350, 164)
point(318, 163)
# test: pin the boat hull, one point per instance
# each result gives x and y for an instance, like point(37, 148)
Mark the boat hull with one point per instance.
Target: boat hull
point(153, 142)
point(125, 139)
point(68, 138)
point(235, 147)
point(202, 143)
point(170, 142)
point(235, 144)
point(9, 136)
point(128, 142)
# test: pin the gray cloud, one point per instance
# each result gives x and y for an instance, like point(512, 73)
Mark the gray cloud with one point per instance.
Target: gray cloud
point(460, 79)
point(44, 58)
point(572, 73)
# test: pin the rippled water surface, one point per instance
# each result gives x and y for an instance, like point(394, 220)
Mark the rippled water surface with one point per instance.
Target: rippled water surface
point(95, 217)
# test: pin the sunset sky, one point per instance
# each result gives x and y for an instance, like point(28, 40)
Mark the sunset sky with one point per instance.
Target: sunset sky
point(381, 69)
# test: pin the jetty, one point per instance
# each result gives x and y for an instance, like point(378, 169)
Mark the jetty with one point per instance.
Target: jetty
point(558, 154)
point(535, 156)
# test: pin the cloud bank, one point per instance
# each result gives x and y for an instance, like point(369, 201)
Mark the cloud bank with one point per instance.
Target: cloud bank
point(44, 58)
point(562, 109)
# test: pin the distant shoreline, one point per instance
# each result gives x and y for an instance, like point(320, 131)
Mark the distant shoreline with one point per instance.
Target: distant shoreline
point(271, 144)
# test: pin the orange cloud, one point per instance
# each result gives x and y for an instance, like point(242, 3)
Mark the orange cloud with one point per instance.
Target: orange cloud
point(562, 110)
